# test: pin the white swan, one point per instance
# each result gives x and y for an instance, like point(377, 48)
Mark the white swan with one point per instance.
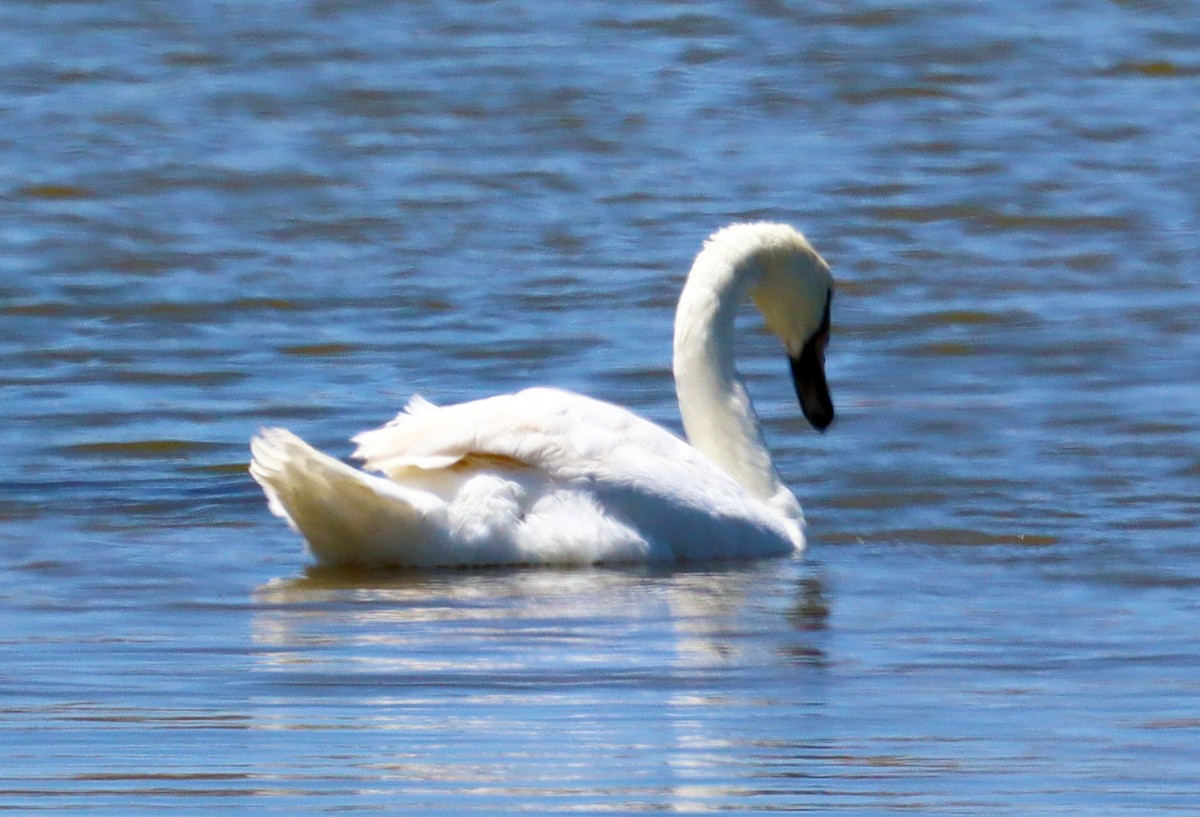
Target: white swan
point(547, 476)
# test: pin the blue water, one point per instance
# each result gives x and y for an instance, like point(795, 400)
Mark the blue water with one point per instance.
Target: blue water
point(217, 217)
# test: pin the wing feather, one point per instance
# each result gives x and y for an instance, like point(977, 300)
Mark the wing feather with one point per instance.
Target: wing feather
point(564, 434)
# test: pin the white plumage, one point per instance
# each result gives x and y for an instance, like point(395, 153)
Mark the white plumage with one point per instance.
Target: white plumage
point(547, 476)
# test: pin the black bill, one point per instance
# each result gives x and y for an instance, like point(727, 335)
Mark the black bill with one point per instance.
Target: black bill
point(808, 373)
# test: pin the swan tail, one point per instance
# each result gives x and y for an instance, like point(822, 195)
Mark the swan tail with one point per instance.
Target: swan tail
point(347, 516)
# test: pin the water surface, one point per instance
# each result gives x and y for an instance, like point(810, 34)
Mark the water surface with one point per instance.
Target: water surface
point(217, 217)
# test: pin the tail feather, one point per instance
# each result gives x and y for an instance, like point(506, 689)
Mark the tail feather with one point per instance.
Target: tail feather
point(346, 515)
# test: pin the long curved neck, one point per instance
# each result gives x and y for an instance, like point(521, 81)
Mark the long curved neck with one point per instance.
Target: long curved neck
point(717, 413)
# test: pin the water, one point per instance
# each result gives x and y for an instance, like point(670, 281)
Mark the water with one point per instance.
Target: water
point(221, 216)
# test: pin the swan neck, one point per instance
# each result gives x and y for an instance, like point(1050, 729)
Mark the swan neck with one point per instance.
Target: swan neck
point(718, 416)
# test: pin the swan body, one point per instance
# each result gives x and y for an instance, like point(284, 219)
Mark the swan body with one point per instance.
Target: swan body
point(547, 476)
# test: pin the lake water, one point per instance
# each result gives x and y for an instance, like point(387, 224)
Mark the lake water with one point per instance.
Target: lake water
point(219, 216)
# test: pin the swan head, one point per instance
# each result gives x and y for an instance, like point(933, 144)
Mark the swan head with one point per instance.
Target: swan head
point(793, 288)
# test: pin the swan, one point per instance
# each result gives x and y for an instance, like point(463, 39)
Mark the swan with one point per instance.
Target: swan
point(547, 476)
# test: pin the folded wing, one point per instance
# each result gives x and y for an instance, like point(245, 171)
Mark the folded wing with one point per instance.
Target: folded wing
point(563, 434)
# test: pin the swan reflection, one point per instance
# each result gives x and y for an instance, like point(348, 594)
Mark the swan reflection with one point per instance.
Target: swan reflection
point(532, 619)
point(634, 679)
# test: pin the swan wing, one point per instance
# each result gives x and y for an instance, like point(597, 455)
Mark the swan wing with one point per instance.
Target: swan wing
point(561, 433)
